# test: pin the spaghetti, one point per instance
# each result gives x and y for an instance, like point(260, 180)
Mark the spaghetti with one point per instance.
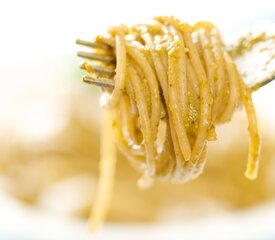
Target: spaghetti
point(174, 84)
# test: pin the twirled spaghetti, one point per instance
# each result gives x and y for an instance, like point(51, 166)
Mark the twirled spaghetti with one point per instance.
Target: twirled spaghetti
point(173, 84)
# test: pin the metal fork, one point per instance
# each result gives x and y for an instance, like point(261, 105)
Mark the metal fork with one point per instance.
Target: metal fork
point(101, 67)
point(253, 52)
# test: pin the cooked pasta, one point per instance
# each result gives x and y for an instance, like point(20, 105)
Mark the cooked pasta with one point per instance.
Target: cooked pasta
point(174, 84)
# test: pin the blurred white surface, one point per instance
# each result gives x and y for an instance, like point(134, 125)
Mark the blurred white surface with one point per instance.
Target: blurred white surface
point(19, 222)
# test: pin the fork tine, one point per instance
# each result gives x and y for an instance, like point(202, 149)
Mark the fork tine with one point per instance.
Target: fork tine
point(92, 44)
point(98, 57)
point(102, 82)
point(97, 69)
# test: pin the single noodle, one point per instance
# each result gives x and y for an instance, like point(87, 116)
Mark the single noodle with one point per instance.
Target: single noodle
point(174, 84)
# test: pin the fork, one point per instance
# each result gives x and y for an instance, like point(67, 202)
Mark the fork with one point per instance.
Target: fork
point(102, 69)
point(253, 52)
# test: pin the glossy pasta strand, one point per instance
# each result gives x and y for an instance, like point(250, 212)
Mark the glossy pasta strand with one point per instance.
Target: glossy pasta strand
point(174, 84)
